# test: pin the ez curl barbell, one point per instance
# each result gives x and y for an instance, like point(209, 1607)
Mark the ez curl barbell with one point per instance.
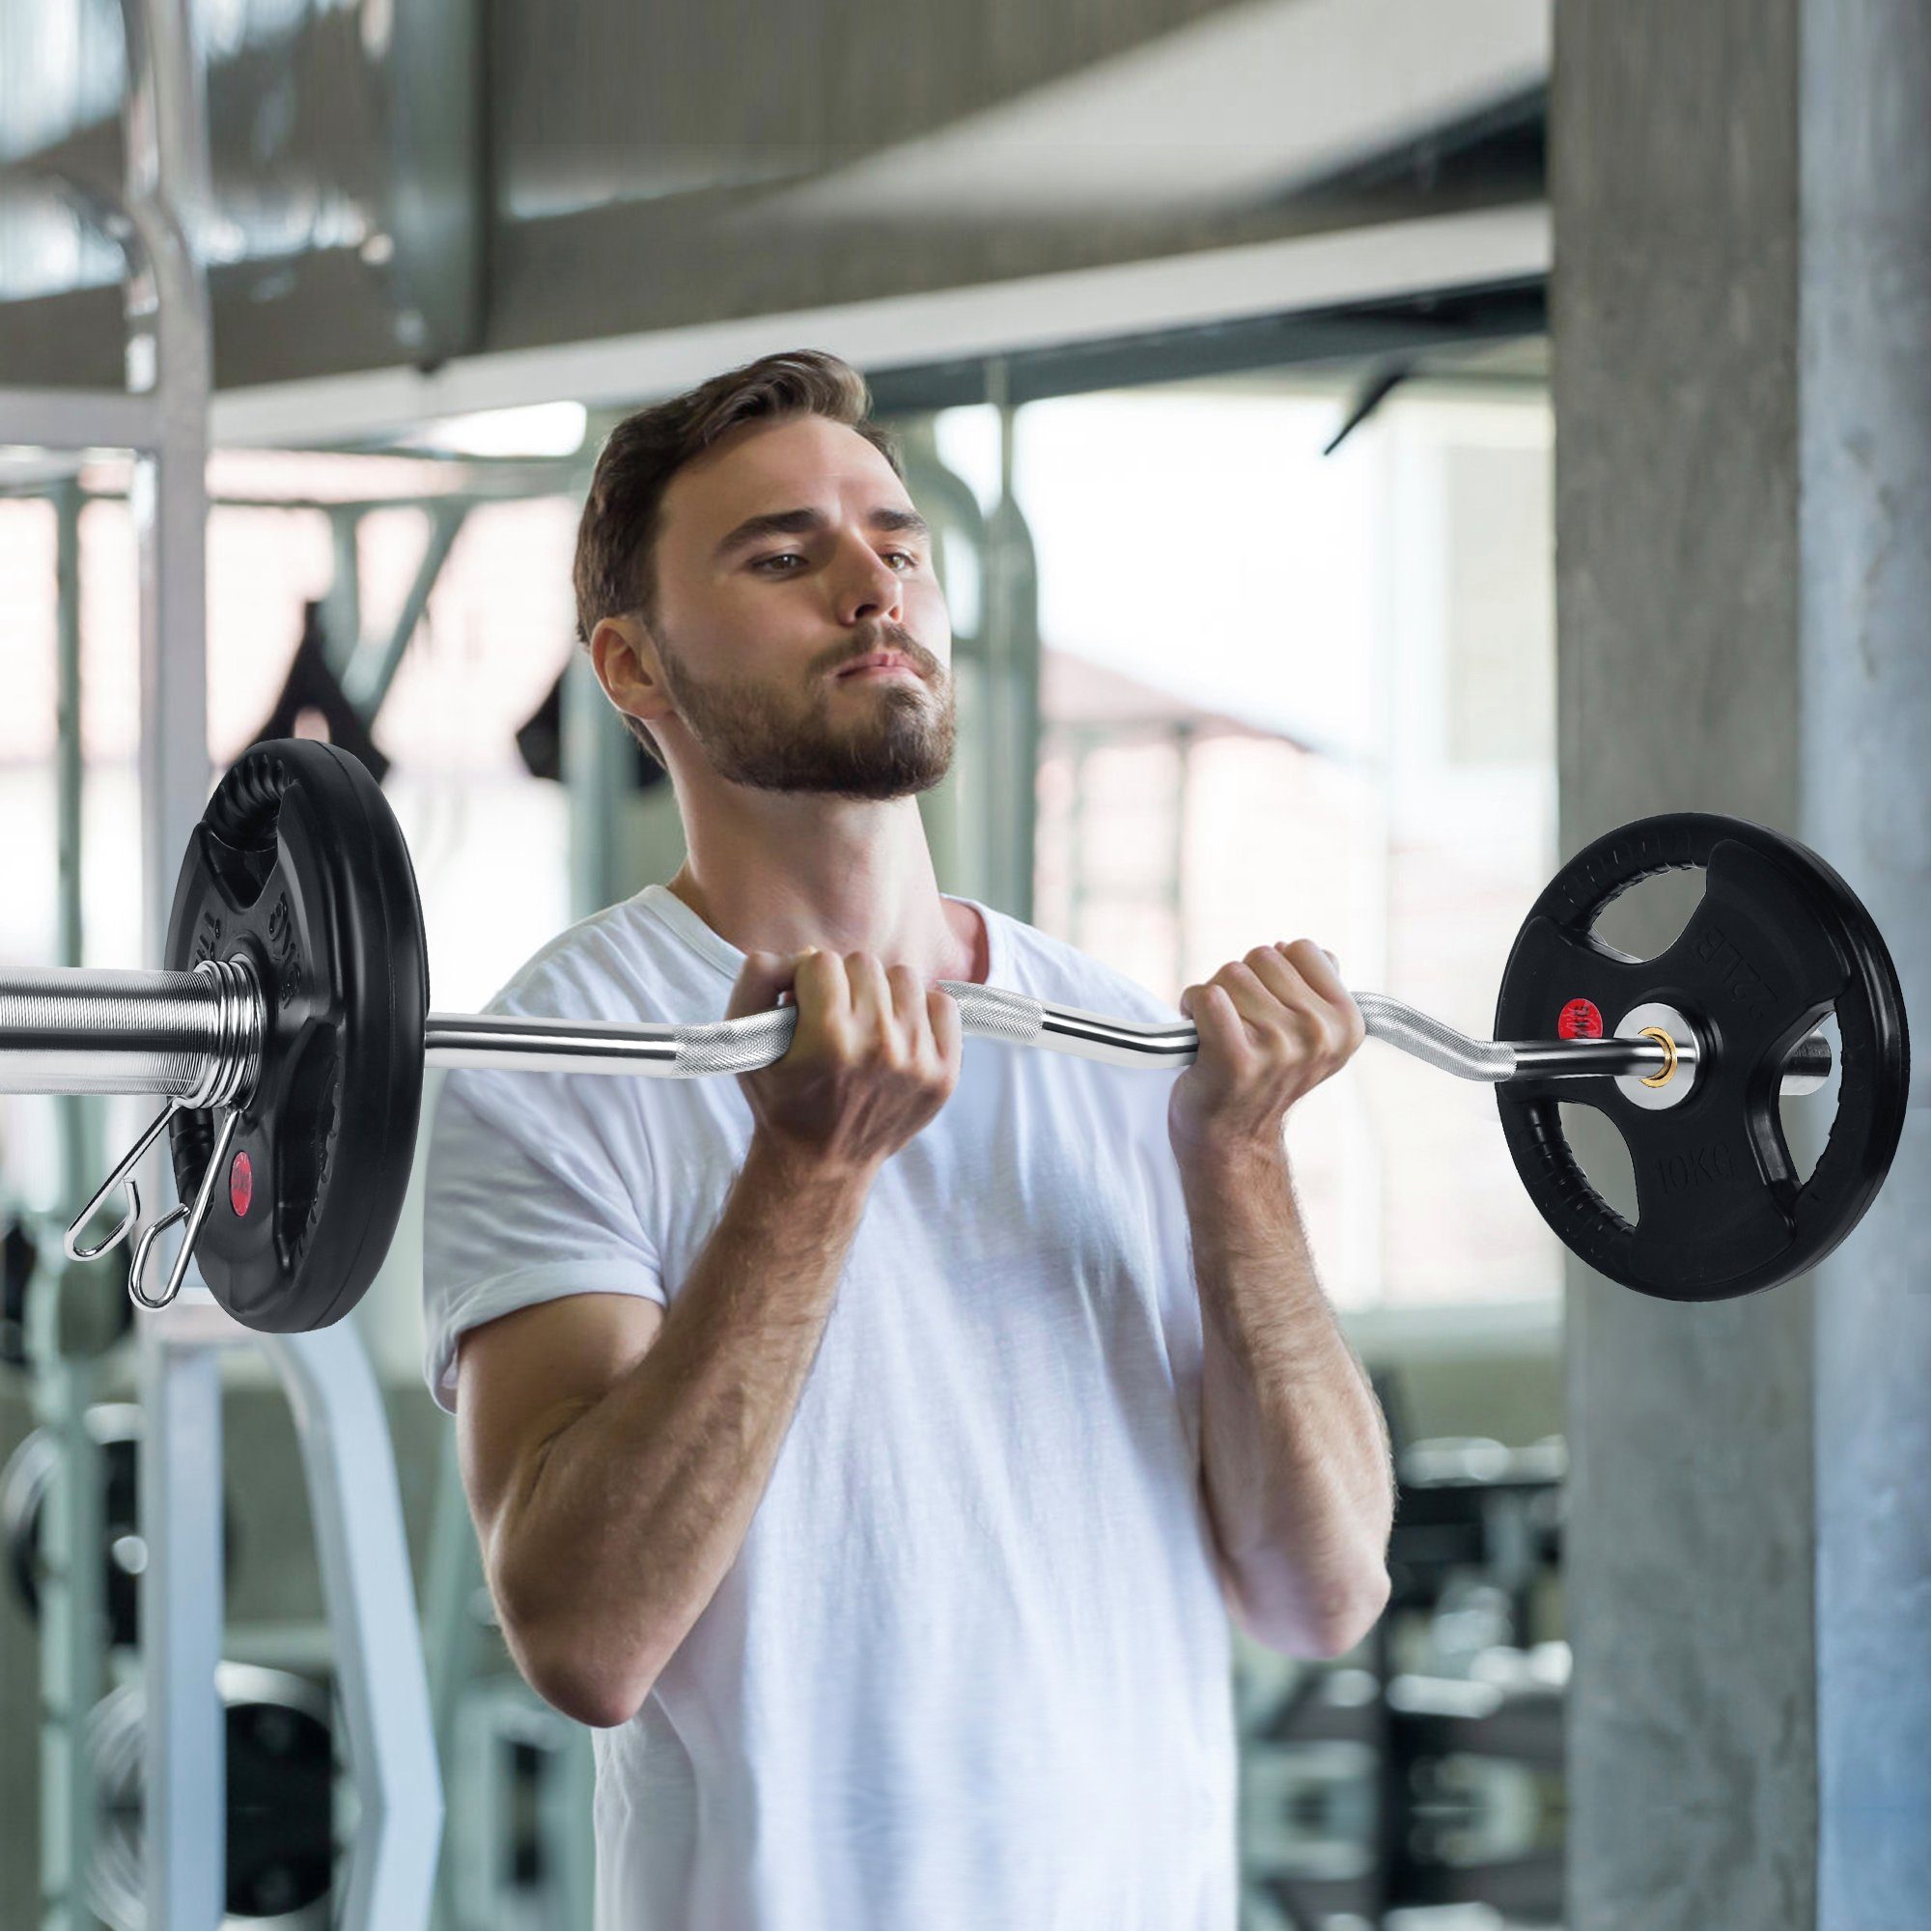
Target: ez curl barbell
point(291, 1027)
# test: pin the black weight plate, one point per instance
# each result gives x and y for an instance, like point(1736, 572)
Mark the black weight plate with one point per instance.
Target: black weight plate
point(24, 1484)
point(299, 862)
point(1778, 942)
point(281, 1811)
point(281, 1808)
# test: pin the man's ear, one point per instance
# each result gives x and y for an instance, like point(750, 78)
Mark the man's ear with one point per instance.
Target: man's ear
point(629, 668)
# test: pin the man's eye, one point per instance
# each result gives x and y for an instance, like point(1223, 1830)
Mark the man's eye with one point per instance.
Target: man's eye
point(776, 565)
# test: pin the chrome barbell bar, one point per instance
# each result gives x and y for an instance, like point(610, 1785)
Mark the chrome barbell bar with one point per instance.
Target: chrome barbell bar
point(195, 1037)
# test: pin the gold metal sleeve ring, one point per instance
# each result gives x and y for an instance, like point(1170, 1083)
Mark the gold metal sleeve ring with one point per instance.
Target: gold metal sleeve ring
point(1666, 1073)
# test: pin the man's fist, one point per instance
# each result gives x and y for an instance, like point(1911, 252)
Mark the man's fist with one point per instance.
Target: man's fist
point(1272, 1027)
point(875, 1058)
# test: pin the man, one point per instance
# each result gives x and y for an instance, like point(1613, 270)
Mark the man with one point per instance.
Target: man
point(858, 1444)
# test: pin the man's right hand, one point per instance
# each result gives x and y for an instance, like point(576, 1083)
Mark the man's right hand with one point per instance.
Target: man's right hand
point(875, 1058)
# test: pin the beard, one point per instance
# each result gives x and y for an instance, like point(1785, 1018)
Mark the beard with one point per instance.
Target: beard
point(898, 739)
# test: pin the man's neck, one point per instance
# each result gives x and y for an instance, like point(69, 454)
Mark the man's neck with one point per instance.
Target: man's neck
point(779, 871)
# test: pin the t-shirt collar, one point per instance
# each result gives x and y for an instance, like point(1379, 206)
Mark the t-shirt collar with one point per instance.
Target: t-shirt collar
point(721, 953)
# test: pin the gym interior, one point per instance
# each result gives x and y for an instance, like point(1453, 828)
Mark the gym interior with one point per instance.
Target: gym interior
point(1372, 452)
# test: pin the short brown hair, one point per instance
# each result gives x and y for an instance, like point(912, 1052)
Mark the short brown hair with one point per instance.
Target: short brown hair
point(612, 571)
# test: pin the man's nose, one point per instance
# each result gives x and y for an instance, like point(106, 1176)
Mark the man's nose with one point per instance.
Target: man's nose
point(867, 586)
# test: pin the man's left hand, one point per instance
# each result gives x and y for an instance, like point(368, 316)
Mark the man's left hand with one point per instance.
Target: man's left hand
point(1272, 1027)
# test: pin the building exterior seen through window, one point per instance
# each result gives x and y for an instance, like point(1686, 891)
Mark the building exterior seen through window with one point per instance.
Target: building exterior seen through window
point(1290, 694)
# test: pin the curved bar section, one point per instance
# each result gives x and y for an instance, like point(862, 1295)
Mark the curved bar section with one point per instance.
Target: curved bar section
point(736, 1046)
point(1430, 1040)
point(519, 1042)
point(997, 1015)
point(1066, 1029)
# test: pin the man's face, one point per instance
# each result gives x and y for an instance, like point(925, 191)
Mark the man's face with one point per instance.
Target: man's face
point(787, 557)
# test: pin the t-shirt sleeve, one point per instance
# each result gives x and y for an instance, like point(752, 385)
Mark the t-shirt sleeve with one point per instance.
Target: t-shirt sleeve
point(523, 1202)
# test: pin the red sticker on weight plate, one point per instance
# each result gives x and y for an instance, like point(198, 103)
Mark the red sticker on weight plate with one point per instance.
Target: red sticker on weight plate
point(241, 1184)
point(1579, 1021)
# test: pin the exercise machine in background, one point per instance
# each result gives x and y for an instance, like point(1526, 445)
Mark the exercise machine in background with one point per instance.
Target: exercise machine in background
point(379, 1680)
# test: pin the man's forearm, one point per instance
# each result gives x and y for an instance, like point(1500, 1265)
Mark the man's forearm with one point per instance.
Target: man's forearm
point(1295, 1453)
point(629, 1515)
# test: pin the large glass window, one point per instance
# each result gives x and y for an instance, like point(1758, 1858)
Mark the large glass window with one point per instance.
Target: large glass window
point(1287, 693)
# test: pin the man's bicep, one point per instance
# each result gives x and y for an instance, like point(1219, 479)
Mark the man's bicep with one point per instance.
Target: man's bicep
point(525, 1376)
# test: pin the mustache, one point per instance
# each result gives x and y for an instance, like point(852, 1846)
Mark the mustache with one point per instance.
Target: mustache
point(888, 637)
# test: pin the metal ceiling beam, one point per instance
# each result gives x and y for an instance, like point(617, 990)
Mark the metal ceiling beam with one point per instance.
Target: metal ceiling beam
point(1409, 325)
point(78, 419)
point(1220, 289)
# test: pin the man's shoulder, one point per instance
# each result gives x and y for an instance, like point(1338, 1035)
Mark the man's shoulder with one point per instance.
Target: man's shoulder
point(1054, 969)
point(612, 965)
point(592, 968)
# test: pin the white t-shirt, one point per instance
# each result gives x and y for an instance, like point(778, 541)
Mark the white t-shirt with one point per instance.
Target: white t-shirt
point(971, 1664)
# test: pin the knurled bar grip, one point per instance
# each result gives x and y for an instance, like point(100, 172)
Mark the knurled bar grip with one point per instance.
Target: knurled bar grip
point(191, 1035)
point(740, 1046)
point(195, 1036)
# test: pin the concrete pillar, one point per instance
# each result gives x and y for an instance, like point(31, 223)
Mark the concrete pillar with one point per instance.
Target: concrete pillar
point(1739, 319)
point(1862, 515)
